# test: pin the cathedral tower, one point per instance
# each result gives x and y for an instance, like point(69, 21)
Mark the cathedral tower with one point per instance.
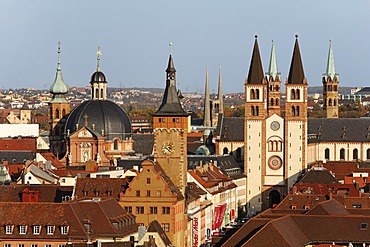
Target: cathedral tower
point(218, 104)
point(330, 81)
point(171, 124)
point(254, 129)
point(59, 107)
point(273, 78)
point(296, 118)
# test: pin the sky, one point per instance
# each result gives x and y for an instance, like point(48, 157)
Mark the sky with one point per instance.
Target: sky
point(134, 37)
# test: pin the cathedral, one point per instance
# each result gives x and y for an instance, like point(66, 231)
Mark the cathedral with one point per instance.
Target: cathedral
point(96, 131)
point(274, 144)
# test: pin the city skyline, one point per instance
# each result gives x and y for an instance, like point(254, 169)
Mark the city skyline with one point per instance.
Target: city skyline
point(134, 38)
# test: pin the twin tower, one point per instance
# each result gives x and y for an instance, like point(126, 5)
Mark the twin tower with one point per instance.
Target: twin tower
point(275, 145)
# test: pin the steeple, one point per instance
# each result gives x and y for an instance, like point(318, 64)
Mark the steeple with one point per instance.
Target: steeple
point(296, 73)
point(273, 79)
point(207, 110)
point(255, 75)
point(59, 88)
point(170, 103)
point(273, 68)
point(330, 67)
point(220, 94)
point(98, 81)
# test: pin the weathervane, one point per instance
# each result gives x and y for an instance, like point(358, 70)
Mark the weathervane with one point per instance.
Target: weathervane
point(170, 47)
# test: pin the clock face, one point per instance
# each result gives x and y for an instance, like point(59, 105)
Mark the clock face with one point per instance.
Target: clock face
point(168, 148)
point(275, 163)
point(275, 125)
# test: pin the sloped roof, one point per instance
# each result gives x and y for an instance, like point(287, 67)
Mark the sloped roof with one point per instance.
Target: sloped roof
point(332, 207)
point(338, 130)
point(100, 187)
point(321, 176)
point(155, 227)
point(167, 179)
point(255, 74)
point(296, 73)
point(143, 143)
point(231, 129)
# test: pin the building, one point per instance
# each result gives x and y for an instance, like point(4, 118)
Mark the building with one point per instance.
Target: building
point(151, 196)
point(274, 147)
point(97, 130)
point(69, 223)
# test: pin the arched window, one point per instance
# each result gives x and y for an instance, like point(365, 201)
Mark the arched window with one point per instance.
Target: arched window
point(257, 111)
point(257, 93)
point(292, 94)
point(330, 102)
point(101, 93)
point(277, 102)
point(335, 102)
point(298, 94)
point(252, 110)
point(57, 113)
point(368, 154)
point(226, 150)
point(96, 93)
point(342, 154)
point(355, 154)
point(297, 111)
point(63, 112)
point(327, 154)
point(272, 102)
point(115, 144)
point(252, 93)
point(293, 111)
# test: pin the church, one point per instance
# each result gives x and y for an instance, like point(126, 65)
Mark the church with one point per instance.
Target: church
point(274, 146)
point(96, 131)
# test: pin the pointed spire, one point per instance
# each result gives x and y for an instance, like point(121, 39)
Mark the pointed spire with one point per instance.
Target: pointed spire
point(273, 68)
point(296, 73)
point(255, 75)
point(98, 53)
point(207, 110)
point(59, 88)
point(171, 102)
point(220, 94)
point(330, 68)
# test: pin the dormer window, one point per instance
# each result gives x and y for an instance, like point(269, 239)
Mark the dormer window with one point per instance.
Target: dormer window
point(8, 229)
point(22, 229)
point(363, 226)
point(64, 230)
point(50, 230)
point(36, 230)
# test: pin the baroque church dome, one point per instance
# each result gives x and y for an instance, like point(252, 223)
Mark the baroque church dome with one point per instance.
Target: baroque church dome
point(101, 116)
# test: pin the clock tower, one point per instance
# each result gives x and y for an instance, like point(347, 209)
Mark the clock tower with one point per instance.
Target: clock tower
point(171, 124)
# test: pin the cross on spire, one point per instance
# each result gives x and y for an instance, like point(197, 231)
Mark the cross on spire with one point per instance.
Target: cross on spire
point(99, 53)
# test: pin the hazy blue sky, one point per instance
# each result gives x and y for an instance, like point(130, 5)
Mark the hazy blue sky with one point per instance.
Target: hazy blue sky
point(134, 38)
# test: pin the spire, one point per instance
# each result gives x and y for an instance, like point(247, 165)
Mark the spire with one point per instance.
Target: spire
point(207, 110)
point(296, 73)
point(59, 88)
point(98, 53)
point(220, 94)
point(255, 75)
point(273, 69)
point(330, 68)
point(170, 103)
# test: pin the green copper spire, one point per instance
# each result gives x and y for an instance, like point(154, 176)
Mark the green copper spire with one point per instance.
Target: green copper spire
point(59, 88)
point(273, 69)
point(330, 68)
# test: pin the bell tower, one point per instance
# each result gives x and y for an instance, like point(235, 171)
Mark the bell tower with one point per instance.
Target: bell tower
point(59, 107)
point(295, 118)
point(255, 129)
point(330, 81)
point(171, 124)
point(273, 78)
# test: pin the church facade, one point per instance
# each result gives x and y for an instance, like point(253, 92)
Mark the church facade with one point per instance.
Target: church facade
point(274, 144)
